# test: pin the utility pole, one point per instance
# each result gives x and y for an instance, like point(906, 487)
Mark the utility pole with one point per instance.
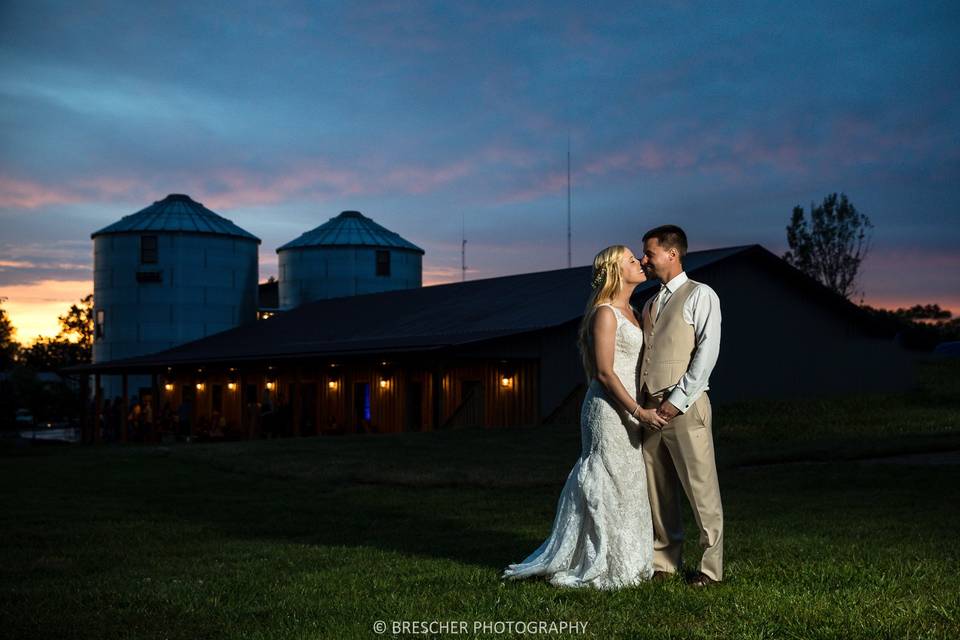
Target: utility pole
point(569, 234)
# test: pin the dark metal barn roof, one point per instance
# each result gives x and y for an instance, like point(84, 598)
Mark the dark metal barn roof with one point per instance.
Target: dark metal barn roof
point(420, 319)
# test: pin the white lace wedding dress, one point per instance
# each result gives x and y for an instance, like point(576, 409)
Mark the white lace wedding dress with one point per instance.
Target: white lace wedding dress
point(602, 534)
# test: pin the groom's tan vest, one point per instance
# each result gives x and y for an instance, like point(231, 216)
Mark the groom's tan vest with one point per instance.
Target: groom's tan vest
point(668, 342)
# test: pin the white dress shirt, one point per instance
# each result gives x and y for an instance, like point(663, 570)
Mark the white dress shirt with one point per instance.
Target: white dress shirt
point(702, 310)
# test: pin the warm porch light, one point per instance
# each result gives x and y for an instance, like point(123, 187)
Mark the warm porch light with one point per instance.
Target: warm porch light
point(199, 386)
point(332, 385)
point(232, 386)
point(506, 382)
point(384, 383)
point(168, 387)
point(270, 384)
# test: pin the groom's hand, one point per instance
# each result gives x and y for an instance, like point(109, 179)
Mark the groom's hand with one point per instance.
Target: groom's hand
point(667, 411)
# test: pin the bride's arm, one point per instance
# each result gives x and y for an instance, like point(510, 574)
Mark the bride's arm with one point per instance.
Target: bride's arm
point(604, 329)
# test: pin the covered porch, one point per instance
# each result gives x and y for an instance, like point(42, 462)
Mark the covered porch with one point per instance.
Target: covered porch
point(312, 397)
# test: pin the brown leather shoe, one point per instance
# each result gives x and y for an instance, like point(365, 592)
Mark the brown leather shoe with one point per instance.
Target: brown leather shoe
point(661, 576)
point(701, 580)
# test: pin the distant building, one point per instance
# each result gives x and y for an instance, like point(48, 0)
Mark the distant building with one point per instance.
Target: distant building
point(269, 299)
point(345, 256)
point(168, 274)
point(502, 352)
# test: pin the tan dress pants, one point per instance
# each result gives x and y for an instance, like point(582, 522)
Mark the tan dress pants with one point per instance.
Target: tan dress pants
point(681, 455)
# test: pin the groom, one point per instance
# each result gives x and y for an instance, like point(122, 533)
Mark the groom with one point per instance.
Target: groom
point(681, 330)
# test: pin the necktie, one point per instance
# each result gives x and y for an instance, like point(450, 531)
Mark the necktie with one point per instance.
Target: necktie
point(661, 299)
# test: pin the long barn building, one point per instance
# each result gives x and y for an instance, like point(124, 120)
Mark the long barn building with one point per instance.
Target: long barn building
point(497, 352)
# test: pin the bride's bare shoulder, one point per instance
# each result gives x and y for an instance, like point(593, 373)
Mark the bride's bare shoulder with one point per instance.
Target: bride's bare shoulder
point(603, 314)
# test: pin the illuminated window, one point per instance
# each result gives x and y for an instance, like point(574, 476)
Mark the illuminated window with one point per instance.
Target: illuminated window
point(98, 325)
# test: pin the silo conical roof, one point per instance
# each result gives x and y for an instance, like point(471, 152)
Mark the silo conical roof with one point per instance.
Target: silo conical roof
point(176, 212)
point(351, 229)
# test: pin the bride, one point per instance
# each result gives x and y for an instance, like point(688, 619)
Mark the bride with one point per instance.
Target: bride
point(602, 535)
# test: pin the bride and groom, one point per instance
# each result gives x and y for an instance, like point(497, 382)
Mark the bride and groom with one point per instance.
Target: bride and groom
point(645, 427)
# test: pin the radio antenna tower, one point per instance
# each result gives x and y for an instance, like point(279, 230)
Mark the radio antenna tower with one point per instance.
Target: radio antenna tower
point(569, 234)
point(463, 249)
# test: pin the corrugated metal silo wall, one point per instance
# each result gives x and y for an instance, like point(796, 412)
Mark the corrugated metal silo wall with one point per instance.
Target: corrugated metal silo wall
point(207, 284)
point(316, 273)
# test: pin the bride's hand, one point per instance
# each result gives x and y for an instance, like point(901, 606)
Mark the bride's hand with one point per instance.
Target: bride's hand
point(650, 418)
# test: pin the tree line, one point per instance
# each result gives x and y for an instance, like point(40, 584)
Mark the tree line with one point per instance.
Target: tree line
point(72, 345)
point(831, 247)
point(22, 387)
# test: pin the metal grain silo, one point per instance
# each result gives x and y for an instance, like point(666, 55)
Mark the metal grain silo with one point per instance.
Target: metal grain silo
point(347, 255)
point(170, 273)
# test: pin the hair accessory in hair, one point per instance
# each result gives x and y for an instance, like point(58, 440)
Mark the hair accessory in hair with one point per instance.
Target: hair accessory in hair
point(598, 278)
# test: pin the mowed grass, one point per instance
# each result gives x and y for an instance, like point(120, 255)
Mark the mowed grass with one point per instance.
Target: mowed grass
point(322, 537)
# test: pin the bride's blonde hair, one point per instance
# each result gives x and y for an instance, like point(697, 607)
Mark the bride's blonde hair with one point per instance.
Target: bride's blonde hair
point(606, 284)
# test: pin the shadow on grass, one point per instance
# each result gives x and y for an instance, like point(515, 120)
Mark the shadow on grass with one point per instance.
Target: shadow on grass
point(478, 526)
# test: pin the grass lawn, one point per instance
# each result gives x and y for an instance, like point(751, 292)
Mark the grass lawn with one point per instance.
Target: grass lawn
point(321, 537)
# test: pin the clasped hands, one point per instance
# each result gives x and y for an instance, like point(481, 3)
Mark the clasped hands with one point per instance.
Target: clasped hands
point(667, 411)
point(656, 418)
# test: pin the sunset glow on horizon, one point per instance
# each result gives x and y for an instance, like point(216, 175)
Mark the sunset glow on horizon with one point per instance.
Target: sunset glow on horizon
point(33, 309)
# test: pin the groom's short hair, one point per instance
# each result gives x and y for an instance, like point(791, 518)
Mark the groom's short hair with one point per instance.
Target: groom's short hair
point(669, 236)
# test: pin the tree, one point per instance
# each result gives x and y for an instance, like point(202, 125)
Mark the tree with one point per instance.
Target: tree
point(72, 345)
point(834, 244)
point(908, 325)
point(9, 348)
point(77, 324)
point(51, 354)
point(924, 312)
